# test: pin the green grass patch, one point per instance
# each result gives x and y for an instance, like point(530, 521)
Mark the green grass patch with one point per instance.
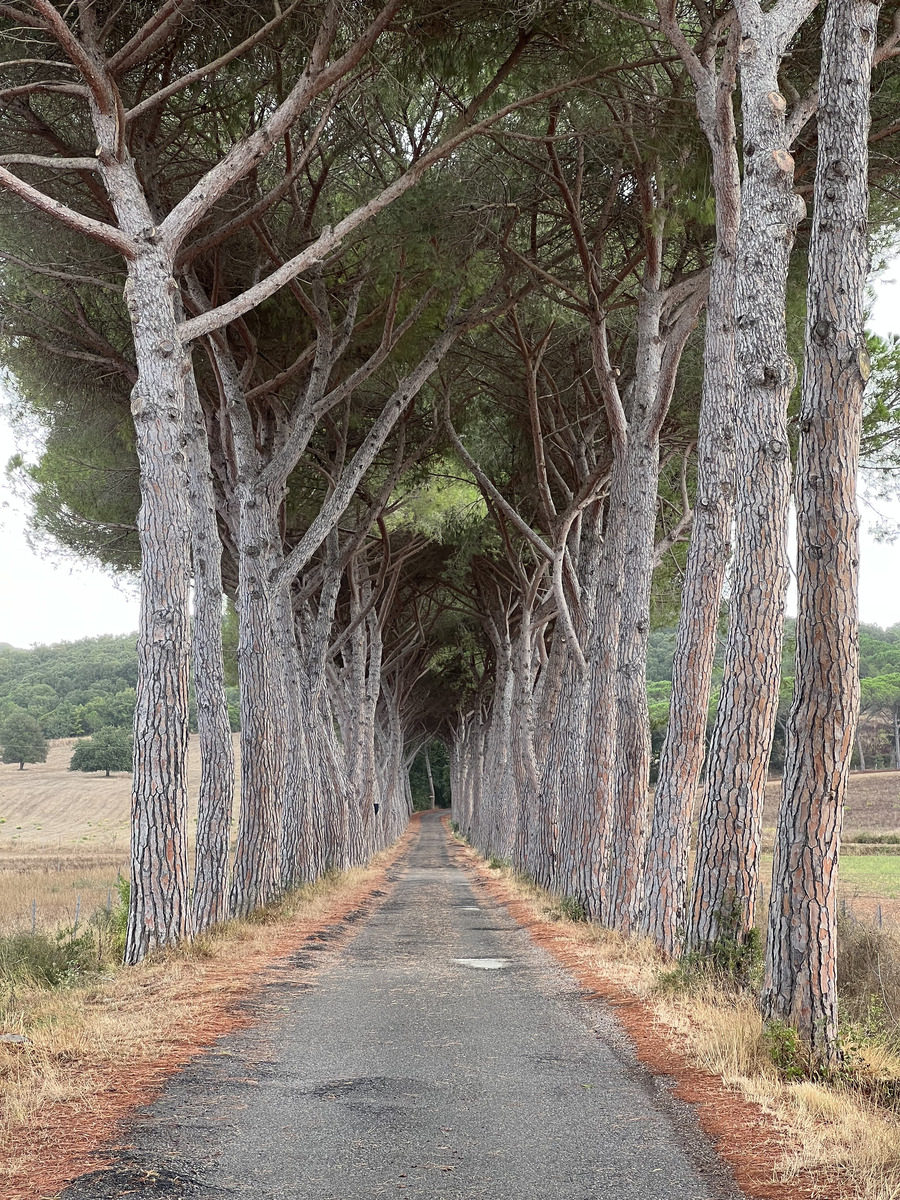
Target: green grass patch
point(871, 875)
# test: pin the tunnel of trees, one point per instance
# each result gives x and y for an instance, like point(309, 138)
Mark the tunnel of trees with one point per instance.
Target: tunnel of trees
point(460, 347)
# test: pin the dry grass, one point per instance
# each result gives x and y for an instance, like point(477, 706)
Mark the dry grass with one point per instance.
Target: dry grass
point(836, 1132)
point(47, 808)
point(64, 838)
point(96, 1036)
point(50, 894)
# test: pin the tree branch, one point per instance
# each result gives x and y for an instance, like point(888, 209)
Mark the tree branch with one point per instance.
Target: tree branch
point(150, 36)
point(91, 280)
point(99, 231)
point(47, 160)
point(317, 77)
point(330, 239)
point(193, 76)
point(86, 64)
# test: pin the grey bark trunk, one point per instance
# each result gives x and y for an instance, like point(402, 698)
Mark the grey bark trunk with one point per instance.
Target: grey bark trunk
point(159, 912)
point(727, 871)
point(210, 899)
point(684, 748)
point(801, 949)
point(430, 778)
point(256, 878)
point(632, 723)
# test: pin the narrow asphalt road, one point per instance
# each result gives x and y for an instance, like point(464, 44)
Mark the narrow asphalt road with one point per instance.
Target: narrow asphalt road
point(398, 1067)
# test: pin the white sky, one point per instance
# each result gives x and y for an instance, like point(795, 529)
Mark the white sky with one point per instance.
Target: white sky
point(43, 601)
point(46, 601)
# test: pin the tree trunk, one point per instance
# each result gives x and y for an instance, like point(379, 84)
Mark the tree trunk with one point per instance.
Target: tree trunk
point(801, 951)
point(430, 778)
point(299, 791)
point(159, 911)
point(632, 725)
point(582, 864)
point(257, 868)
point(681, 758)
point(727, 871)
point(859, 743)
point(210, 900)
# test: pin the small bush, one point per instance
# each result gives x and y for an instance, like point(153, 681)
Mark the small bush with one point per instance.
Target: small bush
point(497, 864)
point(49, 960)
point(112, 923)
point(454, 826)
point(568, 908)
point(868, 971)
point(786, 1050)
point(734, 960)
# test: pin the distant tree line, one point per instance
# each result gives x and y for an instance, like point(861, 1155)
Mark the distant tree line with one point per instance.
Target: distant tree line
point(878, 736)
point(76, 688)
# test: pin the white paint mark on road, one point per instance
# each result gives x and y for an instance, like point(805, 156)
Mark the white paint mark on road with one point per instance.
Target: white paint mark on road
point(483, 964)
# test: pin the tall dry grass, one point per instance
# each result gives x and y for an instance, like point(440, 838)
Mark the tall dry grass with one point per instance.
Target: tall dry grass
point(47, 893)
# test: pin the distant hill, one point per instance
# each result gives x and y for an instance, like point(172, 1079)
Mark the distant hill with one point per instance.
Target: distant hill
point(74, 688)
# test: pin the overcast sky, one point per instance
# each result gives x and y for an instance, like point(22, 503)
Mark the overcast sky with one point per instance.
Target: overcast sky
point(45, 601)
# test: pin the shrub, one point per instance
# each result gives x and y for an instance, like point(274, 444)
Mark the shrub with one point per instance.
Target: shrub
point(568, 908)
point(112, 923)
point(868, 971)
point(734, 960)
point(49, 960)
point(786, 1050)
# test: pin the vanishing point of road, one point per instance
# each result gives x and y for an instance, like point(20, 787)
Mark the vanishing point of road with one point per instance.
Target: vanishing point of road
point(437, 1053)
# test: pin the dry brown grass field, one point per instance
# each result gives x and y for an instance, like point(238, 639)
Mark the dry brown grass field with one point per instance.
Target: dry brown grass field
point(64, 838)
point(873, 803)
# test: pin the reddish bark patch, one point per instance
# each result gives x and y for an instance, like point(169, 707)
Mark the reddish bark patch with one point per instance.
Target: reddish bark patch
point(65, 1140)
point(744, 1136)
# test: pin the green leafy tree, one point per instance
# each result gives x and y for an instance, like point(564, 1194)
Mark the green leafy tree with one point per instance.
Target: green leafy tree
point(22, 740)
point(108, 750)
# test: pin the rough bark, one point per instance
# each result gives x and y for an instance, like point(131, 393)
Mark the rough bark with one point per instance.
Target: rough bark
point(683, 751)
point(256, 878)
point(430, 777)
point(210, 899)
point(159, 909)
point(727, 871)
point(296, 867)
point(801, 951)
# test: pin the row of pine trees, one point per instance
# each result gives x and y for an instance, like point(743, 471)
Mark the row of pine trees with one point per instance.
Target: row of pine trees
point(457, 346)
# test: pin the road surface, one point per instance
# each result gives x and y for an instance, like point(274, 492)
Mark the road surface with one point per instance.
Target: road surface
point(437, 1053)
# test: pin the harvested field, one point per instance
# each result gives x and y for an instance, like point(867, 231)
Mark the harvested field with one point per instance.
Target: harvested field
point(47, 806)
point(873, 803)
point(64, 838)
